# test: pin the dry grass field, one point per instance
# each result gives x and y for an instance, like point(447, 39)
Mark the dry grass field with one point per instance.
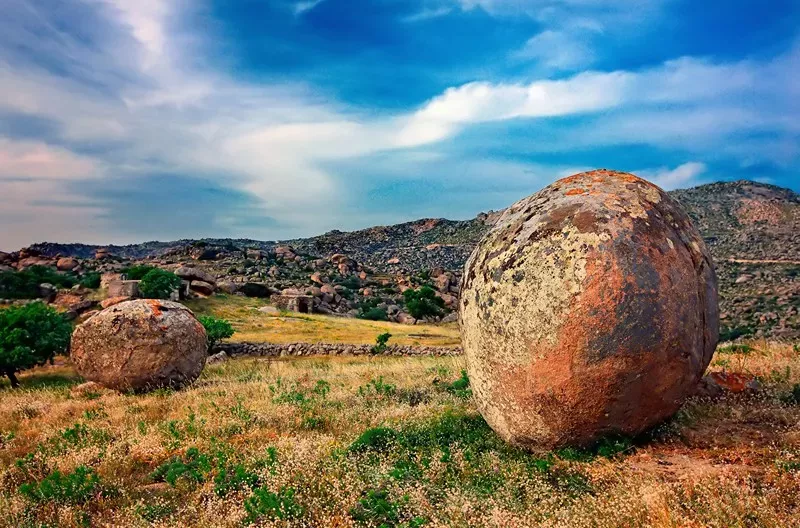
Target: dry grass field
point(286, 327)
point(382, 442)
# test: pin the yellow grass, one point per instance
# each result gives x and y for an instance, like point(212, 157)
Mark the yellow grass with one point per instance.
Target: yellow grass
point(252, 325)
point(733, 462)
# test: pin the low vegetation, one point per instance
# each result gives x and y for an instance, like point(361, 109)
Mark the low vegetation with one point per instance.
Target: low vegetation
point(25, 284)
point(383, 442)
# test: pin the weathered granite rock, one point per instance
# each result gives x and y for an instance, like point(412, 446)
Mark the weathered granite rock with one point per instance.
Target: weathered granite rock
point(67, 264)
point(590, 308)
point(195, 274)
point(202, 287)
point(140, 345)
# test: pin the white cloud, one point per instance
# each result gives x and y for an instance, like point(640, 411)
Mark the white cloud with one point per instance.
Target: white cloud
point(681, 176)
point(557, 50)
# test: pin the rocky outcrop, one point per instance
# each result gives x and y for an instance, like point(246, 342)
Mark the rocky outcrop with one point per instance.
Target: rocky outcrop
point(591, 308)
point(140, 345)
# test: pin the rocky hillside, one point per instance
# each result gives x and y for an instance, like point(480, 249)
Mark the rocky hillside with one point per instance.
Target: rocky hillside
point(752, 229)
point(746, 220)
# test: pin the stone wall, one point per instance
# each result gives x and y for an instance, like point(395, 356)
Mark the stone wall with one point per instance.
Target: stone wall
point(330, 349)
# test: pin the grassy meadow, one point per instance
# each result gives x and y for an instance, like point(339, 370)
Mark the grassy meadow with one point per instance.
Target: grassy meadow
point(287, 327)
point(382, 442)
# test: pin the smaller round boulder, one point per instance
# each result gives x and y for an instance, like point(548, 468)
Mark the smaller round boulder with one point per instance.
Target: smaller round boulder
point(140, 345)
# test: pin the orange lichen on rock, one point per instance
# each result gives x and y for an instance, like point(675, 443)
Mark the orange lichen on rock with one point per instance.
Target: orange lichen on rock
point(587, 314)
point(155, 307)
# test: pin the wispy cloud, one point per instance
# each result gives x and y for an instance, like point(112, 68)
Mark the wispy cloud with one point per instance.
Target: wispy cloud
point(302, 7)
point(681, 176)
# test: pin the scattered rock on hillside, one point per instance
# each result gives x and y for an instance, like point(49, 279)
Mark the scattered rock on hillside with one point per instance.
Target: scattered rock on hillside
point(195, 274)
point(591, 308)
point(140, 345)
point(67, 264)
point(202, 287)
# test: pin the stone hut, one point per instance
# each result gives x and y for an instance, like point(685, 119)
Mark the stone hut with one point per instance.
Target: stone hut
point(294, 302)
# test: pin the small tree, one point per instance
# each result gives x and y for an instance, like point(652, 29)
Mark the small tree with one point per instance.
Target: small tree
point(30, 335)
point(216, 329)
point(159, 284)
point(380, 344)
point(137, 272)
point(423, 302)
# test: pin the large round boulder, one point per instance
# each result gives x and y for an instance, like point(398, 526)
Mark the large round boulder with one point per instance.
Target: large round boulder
point(589, 309)
point(140, 345)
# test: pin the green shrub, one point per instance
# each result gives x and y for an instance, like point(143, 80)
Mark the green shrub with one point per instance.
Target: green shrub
point(216, 329)
point(373, 314)
point(264, 503)
point(137, 272)
point(70, 488)
point(459, 387)
point(25, 284)
point(376, 439)
point(90, 280)
point(159, 284)
point(193, 467)
point(423, 303)
point(378, 387)
point(351, 283)
point(376, 509)
point(30, 335)
point(234, 478)
point(380, 343)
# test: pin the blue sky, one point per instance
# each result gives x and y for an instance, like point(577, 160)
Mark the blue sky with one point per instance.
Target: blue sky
point(126, 121)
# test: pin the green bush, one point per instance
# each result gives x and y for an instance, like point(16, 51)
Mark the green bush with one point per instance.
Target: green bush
point(459, 387)
point(30, 335)
point(69, 488)
point(25, 284)
point(216, 329)
point(378, 439)
point(193, 467)
point(264, 503)
point(159, 284)
point(137, 272)
point(374, 314)
point(380, 343)
point(376, 508)
point(369, 310)
point(423, 303)
point(90, 280)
